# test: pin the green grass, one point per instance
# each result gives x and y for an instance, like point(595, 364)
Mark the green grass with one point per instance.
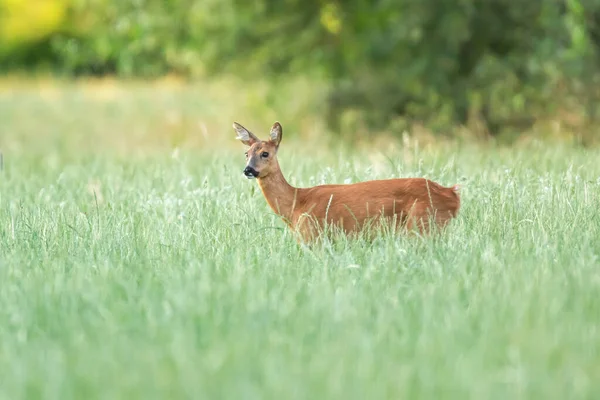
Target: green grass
point(129, 269)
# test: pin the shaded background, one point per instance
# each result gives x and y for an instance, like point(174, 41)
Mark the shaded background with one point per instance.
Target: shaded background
point(494, 69)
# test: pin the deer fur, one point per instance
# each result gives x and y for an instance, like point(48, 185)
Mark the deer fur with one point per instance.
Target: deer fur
point(406, 202)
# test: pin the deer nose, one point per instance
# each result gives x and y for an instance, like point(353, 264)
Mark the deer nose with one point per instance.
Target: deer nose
point(250, 172)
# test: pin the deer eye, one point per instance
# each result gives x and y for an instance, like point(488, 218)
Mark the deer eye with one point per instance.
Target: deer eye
point(265, 154)
point(246, 154)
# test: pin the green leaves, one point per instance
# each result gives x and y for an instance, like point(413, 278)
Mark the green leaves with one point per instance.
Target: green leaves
point(420, 61)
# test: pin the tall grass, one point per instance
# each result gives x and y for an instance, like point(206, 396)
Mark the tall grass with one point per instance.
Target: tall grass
point(134, 266)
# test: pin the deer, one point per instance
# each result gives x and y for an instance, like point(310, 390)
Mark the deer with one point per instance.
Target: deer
point(408, 203)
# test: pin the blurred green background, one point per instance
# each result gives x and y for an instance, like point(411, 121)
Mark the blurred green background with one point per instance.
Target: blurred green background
point(495, 69)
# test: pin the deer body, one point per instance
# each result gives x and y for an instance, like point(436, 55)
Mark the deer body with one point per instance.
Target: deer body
point(406, 202)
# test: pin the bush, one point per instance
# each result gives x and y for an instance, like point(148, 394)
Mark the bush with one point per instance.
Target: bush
point(390, 62)
point(440, 64)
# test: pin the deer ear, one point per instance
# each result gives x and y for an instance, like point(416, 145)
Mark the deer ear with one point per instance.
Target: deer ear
point(276, 133)
point(244, 135)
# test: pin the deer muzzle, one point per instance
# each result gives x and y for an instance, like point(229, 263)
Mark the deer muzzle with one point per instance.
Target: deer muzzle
point(250, 172)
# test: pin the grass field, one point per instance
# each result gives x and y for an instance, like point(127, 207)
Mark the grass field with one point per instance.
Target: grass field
point(137, 262)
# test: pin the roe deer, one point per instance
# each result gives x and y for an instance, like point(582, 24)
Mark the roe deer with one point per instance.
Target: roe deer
point(409, 202)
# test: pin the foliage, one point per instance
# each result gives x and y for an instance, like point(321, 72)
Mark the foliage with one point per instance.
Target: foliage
point(23, 23)
point(389, 63)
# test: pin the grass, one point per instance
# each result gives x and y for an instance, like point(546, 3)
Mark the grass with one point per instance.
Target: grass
point(137, 262)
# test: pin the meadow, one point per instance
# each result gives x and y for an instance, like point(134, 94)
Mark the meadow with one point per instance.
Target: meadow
point(136, 261)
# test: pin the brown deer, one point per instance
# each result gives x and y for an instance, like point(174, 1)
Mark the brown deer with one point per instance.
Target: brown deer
point(407, 202)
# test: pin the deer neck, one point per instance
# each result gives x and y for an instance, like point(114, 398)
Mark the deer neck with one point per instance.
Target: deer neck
point(280, 195)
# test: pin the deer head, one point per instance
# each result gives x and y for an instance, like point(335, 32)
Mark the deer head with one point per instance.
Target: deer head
point(261, 156)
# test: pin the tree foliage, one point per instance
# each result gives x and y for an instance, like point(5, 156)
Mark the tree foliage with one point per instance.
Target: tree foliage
point(391, 61)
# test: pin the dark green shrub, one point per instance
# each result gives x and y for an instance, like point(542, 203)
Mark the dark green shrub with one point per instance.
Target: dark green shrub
point(389, 61)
